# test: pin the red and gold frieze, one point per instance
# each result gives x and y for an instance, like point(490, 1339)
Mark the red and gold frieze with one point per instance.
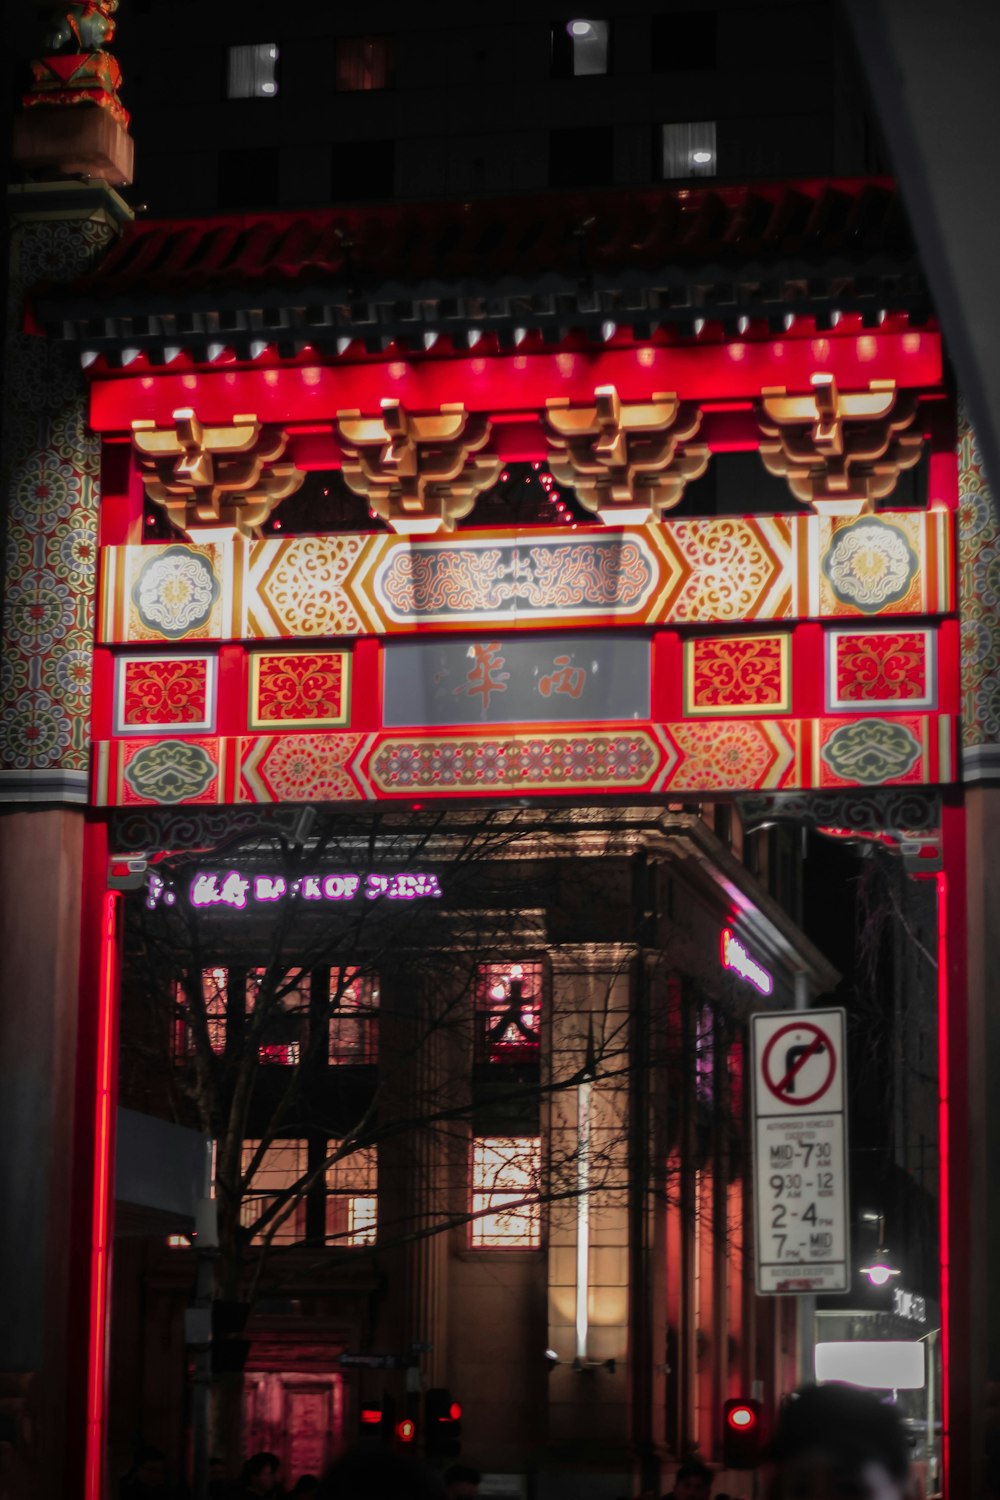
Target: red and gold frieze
point(724, 570)
point(299, 689)
point(737, 674)
point(702, 756)
point(159, 693)
point(881, 669)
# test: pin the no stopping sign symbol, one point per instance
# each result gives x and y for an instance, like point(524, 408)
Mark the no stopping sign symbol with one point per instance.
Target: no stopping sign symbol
point(799, 1064)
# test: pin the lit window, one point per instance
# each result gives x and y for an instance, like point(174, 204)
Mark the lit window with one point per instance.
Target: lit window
point(282, 1167)
point(363, 63)
point(689, 149)
point(214, 986)
point(285, 1030)
point(352, 1198)
point(353, 1017)
point(252, 71)
point(704, 1055)
point(505, 1172)
point(508, 1012)
point(580, 48)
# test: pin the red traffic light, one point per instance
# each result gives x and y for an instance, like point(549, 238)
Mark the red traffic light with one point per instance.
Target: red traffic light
point(455, 1412)
point(406, 1430)
point(741, 1433)
point(741, 1417)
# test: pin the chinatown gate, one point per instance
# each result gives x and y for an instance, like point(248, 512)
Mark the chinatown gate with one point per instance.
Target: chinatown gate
point(176, 657)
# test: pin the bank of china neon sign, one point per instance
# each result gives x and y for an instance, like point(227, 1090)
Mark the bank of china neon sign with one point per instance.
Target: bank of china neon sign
point(736, 958)
point(238, 891)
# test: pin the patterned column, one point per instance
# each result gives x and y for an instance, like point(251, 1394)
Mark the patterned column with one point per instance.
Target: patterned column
point(979, 604)
point(50, 482)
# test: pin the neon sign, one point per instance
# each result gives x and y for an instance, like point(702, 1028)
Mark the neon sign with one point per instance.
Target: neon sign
point(736, 958)
point(238, 891)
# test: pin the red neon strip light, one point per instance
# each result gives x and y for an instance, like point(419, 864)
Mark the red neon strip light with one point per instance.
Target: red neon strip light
point(944, 1146)
point(100, 1218)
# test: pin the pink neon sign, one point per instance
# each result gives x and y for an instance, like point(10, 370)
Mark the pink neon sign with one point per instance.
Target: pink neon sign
point(238, 891)
point(736, 958)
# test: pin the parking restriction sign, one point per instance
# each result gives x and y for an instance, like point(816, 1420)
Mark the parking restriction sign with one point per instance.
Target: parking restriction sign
point(800, 1152)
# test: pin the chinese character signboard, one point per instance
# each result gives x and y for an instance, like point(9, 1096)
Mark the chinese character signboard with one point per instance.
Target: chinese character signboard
point(536, 679)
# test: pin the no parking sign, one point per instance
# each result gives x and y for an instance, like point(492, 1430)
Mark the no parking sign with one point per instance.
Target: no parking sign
point(800, 1152)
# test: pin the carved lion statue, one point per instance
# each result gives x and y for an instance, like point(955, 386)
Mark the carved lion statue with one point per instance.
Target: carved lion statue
point(80, 25)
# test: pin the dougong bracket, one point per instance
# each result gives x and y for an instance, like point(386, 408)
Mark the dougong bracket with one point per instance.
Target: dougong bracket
point(628, 462)
point(839, 452)
point(214, 481)
point(420, 473)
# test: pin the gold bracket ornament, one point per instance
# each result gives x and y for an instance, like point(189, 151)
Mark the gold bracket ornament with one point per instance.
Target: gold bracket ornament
point(839, 452)
point(423, 473)
point(627, 461)
point(215, 482)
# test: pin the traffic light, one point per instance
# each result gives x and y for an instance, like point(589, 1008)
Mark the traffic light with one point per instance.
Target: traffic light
point(406, 1432)
point(443, 1421)
point(741, 1433)
point(375, 1419)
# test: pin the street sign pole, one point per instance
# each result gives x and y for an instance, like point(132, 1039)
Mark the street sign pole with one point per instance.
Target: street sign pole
point(801, 1212)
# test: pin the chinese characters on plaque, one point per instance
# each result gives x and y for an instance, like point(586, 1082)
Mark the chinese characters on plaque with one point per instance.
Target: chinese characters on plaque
point(516, 680)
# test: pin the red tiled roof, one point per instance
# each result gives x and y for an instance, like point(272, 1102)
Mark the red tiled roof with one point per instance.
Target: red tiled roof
point(489, 239)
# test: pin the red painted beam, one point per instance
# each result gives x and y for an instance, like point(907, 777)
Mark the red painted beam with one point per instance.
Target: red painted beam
point(516, 384)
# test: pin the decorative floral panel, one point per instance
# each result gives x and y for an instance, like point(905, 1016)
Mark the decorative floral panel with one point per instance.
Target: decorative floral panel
point(894, 563)
point(979, 591)
point(704, 755)
point(881, 669)
point(169, 771)
point(877, 751)
point(738, 674)
point(164, 693)
point(50, 471)
point(299, 689)
point(724, 570)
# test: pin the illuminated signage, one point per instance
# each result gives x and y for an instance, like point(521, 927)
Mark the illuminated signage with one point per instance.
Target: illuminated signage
point(909, 1305)
point(736, 958)
point(238, 891)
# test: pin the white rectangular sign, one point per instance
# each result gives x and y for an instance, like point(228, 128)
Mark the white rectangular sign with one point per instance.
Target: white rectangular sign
point(802, 1238)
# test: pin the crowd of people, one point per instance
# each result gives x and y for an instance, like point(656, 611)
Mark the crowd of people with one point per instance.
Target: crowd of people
point(830, 1442)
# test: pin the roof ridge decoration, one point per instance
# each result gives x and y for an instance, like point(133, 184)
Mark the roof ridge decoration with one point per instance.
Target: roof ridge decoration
point(75, 72)
point(218, 481)
point(840, 452)
point(628, 462)
point(419, 473)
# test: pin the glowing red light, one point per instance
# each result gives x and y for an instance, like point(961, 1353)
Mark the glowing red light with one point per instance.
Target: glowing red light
point(371, 1415)
point(406, 1430)
point(455, 1412)
point(504, 477)
point(742, 1418)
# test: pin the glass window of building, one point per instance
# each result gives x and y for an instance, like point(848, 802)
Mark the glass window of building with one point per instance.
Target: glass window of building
point(689, 149)
point(252, 71)
point(683, 41)
point(352, 1198)
point(282, 1167)
point(505, 1172)
point(508, 1012)
point(354, 999)
point(580, 48)
point(285, 1030)
point(214, 994)
point(363, 64)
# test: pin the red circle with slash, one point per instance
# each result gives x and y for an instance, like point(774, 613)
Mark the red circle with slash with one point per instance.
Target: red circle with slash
point(780, 1089)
